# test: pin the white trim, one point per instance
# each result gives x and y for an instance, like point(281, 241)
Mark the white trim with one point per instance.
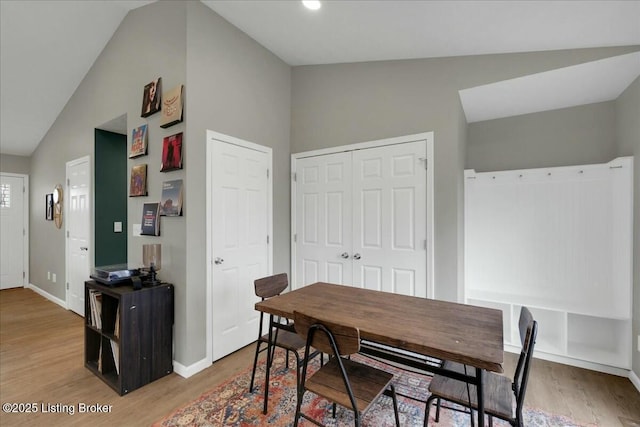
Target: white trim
point(634, 380)
point(25, 224)
point(66, 200)
point(368, 144)
point(188, 371)
point(47, 295)
point(212, 135)
point(425, 136)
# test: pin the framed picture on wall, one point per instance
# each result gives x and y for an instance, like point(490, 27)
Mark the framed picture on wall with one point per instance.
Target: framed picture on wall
point(138, 184)
point(171, 107)
point(138, 142)
point(151, 97)
point(48, 209)
point(171, 153)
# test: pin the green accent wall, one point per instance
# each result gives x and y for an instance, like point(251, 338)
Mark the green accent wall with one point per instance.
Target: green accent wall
point(110, 197)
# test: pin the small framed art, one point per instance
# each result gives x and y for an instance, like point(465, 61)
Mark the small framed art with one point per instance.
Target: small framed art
point(138, 185)
point(138, 142)
point(171, 153)
point(48, 206)
point(151, 98)
point(171, 200)
point(171, 107)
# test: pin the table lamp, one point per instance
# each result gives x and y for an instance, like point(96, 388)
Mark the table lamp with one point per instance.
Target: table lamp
point(152, 260)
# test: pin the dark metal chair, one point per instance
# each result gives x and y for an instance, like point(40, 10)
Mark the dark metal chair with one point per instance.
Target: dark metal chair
point(341, 380)
point(500, 392)
point(281, 333)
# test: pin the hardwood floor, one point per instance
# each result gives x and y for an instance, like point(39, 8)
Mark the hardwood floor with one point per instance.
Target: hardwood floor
point(41, 362)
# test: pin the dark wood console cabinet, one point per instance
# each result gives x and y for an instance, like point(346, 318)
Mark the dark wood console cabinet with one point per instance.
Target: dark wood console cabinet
point(128, 334)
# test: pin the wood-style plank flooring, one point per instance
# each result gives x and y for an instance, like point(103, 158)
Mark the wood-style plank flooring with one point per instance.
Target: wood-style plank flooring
point(41, 361)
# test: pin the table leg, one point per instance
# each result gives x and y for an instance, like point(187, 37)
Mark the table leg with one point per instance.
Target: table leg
point(480, 389)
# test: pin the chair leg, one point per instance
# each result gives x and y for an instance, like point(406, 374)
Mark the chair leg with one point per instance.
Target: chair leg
point(438, 410)
point(428, 410)
point(300, 394)
point(395, 405)
point(255, 363)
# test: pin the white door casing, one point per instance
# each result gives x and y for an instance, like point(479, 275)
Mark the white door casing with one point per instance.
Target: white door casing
point(386, 227)
point(77, 217)
point(14, 230)
point(239, 234)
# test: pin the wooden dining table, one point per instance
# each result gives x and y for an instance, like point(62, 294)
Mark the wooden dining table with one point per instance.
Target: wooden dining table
point(402, 327)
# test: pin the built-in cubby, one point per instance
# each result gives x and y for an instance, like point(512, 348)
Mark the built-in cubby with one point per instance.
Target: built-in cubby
point(558, 241)
point(602, 340)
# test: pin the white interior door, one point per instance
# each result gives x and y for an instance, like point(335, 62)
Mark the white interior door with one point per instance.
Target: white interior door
point(361, 218)
point(77, 222)
point(12, 223)
point(323, 238)
point(240, 227)
point(389, 218)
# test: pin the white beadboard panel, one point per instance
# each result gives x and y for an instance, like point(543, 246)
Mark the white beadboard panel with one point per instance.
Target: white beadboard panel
point(559, 241)
point(559, 236)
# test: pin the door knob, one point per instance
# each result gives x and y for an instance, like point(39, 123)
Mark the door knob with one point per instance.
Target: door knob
point(84, 248)
point(218, 260)
point(356, 256)
point(345, 255)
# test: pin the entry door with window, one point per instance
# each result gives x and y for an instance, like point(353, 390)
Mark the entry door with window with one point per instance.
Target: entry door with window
point(13, 228)
point(361, 219)
point(240, 235)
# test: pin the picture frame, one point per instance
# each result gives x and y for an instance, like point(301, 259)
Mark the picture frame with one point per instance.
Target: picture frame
point(171, 153)
point(150, 219)
point(48, 201)
point(152, 98)
point(171, 199)
point(172, 107)
point(139, 140)
point(138, 183)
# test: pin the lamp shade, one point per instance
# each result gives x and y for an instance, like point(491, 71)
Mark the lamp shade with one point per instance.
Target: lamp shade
point(152, 255)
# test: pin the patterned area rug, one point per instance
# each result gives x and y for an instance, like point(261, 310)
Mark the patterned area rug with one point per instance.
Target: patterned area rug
point(230, 404)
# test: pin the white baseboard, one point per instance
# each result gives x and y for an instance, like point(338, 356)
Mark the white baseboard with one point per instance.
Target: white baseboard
point(634, 380)
point(187, 371)
point(47, 295)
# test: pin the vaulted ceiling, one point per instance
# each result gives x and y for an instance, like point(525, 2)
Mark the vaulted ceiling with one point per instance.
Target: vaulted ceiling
point(48, 46)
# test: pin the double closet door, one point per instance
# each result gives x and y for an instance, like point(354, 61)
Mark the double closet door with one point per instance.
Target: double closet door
point(360, 219)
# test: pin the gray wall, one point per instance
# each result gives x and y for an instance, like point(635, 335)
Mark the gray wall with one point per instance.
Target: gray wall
point(232, 85)
point(113, 87)
point(334, 105)
point(237, 88)
point(15, 164)
point(627, 108)
point(569, 136)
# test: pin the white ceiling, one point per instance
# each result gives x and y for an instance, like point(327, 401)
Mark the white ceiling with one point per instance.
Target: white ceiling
point(48, 46)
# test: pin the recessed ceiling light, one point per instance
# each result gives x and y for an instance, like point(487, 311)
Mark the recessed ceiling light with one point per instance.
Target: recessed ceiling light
point(312, 4)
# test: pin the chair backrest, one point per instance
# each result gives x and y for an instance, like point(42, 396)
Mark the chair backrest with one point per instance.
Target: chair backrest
point(271, 286)
point(528, 332)
point(319, 333)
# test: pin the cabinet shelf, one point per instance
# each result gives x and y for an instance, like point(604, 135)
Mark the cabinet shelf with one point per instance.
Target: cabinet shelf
point(131, 344)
